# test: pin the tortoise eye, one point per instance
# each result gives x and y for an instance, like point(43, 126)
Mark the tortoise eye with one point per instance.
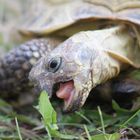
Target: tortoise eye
point(54, 64)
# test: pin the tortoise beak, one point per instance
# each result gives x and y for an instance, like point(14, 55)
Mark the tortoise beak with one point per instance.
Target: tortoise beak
point(41, 84)
point(40, 81)
point(48, 90)
point(48, 87)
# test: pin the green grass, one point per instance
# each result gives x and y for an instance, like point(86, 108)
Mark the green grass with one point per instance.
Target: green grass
point(49, 123)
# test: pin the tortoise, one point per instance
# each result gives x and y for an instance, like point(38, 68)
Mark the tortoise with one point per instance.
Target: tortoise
point(87, 42)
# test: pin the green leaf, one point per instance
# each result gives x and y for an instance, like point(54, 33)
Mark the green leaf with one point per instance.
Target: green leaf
point(131, 118)
point(114, 136)
point(46, 109)
point(118, 109)
point(50, 118)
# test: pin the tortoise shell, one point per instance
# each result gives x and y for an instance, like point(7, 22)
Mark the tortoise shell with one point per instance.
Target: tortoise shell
point(82, 15)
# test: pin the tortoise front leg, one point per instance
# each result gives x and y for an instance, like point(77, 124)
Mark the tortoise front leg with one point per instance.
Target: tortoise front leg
point(125, 90)
point(16, 65)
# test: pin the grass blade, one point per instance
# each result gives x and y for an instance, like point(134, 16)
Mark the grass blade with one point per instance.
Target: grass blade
point(18, 130)
point(87, 132)
point(101, 118)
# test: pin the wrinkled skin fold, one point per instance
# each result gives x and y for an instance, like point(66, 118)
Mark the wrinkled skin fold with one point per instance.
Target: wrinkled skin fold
point(84, 61)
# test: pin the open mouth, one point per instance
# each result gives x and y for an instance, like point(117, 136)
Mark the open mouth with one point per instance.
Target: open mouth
point(66, 92)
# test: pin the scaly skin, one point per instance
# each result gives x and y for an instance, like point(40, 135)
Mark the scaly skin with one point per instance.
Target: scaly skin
point(16, 65)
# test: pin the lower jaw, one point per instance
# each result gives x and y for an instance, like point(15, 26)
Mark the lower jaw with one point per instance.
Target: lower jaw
point(73, 102)
point(69, 102)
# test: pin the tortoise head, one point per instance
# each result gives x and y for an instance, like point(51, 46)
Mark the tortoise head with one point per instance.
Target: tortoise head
point(68, 67)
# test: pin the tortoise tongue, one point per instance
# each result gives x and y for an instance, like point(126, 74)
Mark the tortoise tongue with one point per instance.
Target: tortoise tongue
point(66, 90)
